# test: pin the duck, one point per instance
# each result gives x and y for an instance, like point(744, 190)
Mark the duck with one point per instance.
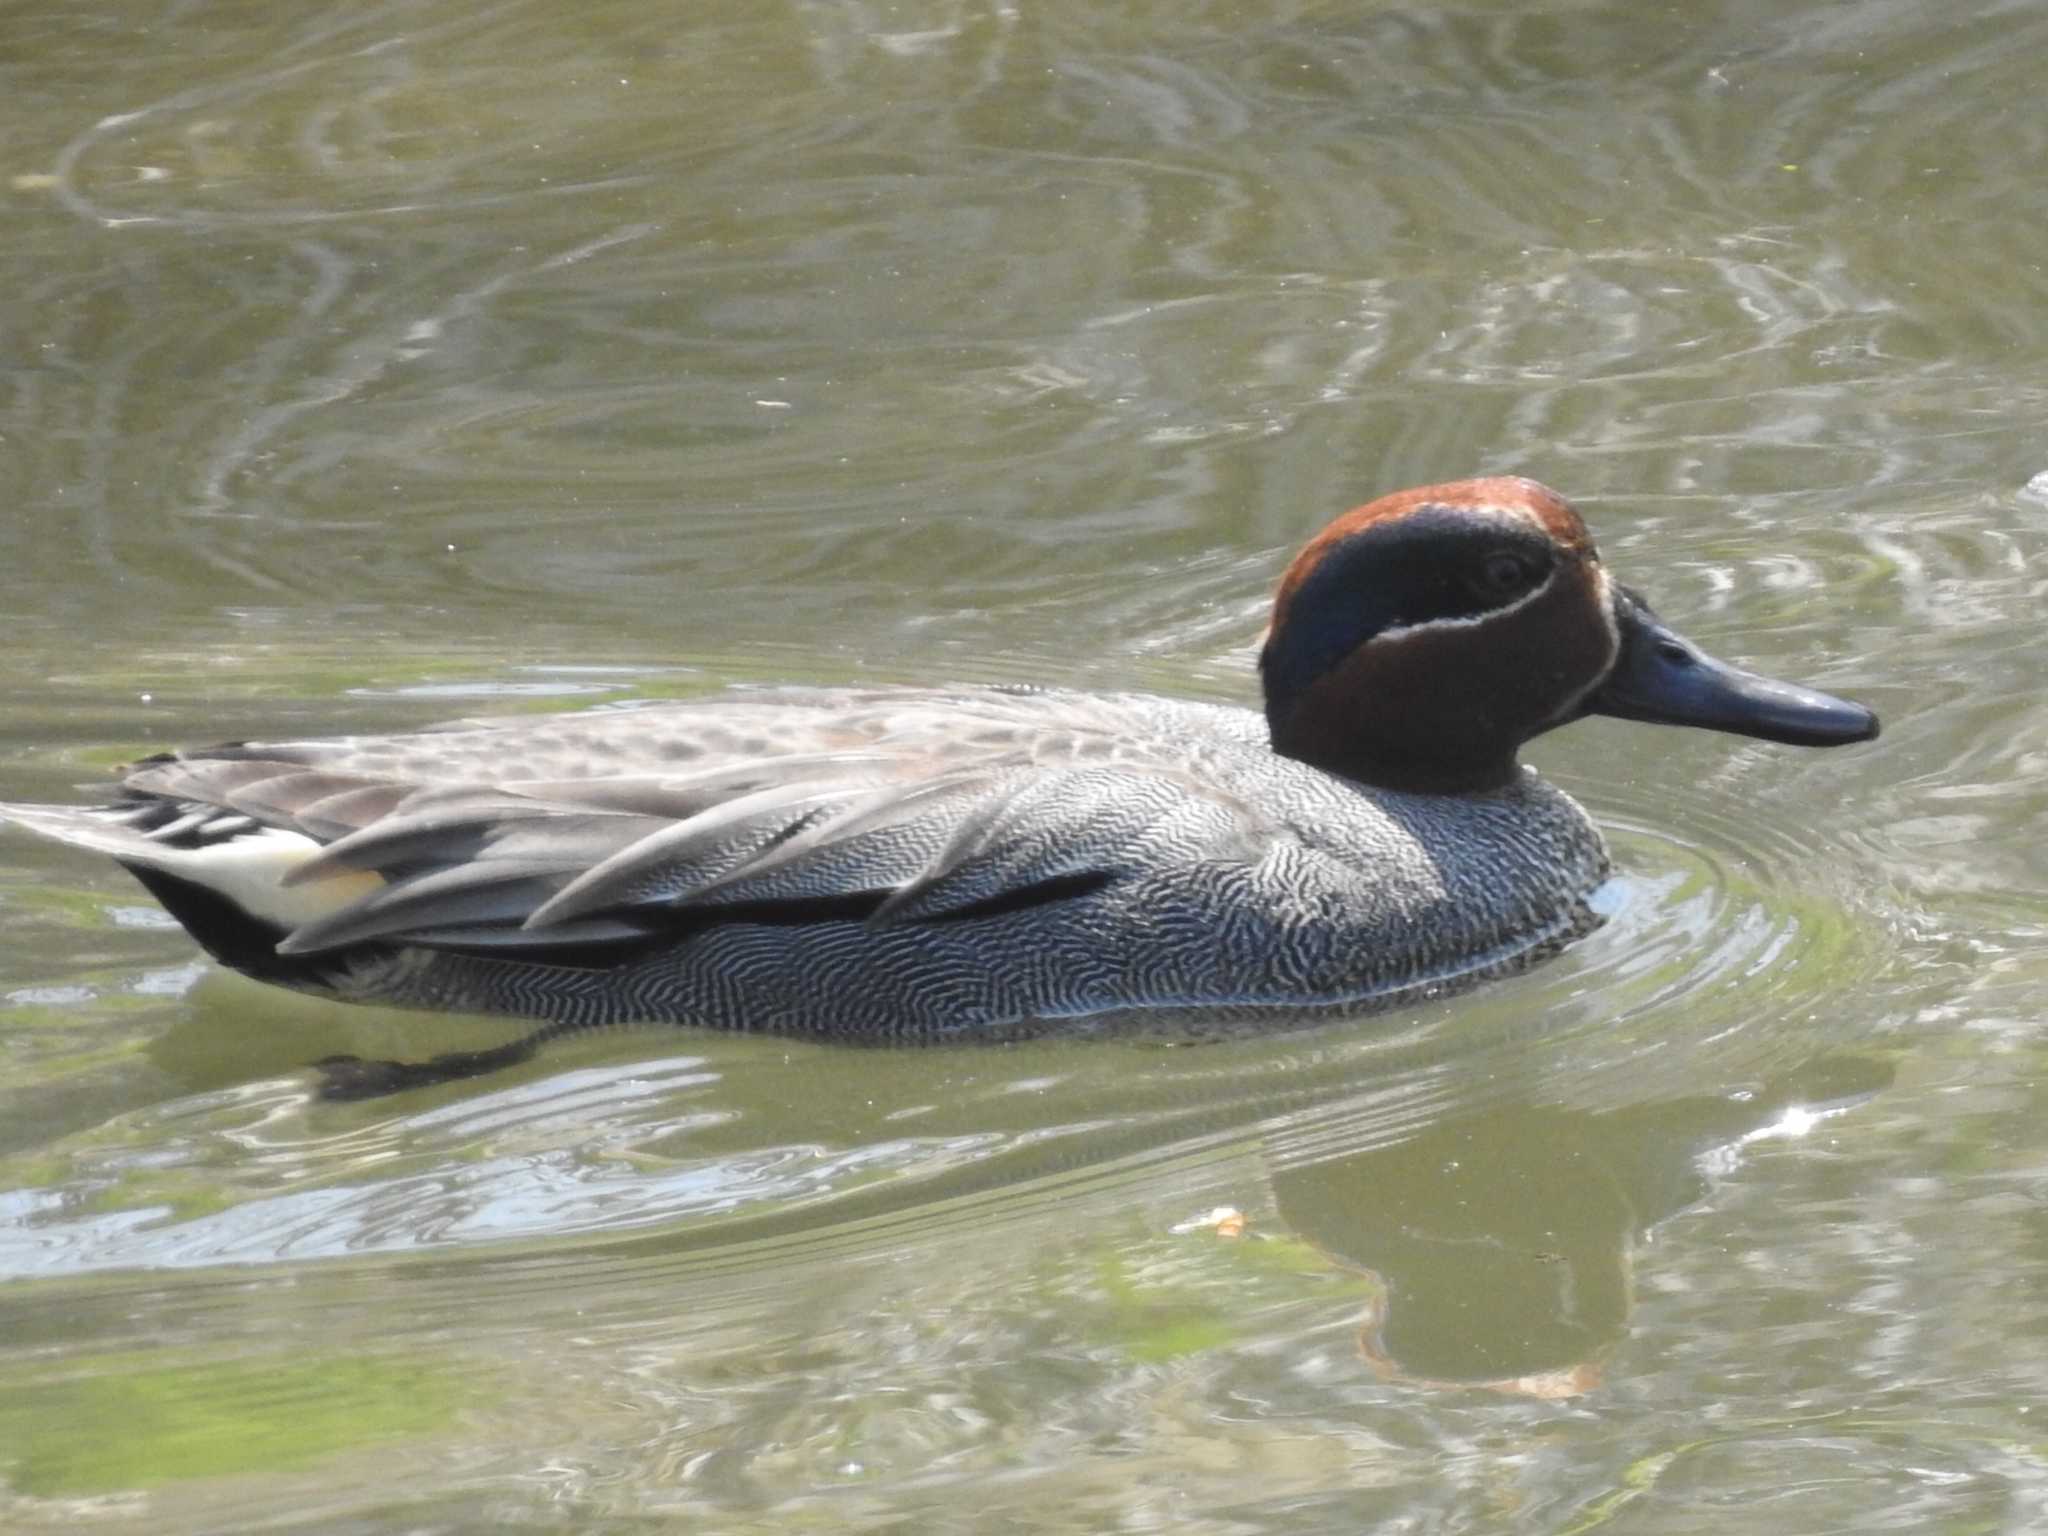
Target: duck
point(921, 864)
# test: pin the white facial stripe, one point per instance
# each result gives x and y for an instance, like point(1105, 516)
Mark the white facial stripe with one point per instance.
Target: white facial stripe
point(1472, 621)
point(1603, 594)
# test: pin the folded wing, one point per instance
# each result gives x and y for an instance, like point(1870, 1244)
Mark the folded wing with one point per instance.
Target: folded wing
point(902, 815)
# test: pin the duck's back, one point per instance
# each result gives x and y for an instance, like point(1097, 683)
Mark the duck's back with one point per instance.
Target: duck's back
point(878, 864)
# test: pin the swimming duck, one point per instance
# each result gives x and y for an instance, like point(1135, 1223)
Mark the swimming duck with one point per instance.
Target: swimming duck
point(919, 864)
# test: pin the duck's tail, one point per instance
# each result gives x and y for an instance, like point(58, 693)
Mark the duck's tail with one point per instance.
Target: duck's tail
point(225, 881)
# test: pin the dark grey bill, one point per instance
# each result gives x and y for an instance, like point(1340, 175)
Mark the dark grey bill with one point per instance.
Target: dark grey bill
point(1666, 679)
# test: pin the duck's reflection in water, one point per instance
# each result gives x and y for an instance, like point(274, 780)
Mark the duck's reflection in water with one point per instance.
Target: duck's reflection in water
point(1502, 1241)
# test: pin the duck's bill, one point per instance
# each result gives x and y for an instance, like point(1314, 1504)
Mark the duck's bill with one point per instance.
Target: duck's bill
point(1664, 678)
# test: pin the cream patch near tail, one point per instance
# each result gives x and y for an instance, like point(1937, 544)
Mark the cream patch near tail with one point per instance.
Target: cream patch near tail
point(250, 870)
point(247, 870)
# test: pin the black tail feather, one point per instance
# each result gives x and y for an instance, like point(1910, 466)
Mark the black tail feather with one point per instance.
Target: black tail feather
point(228, 933)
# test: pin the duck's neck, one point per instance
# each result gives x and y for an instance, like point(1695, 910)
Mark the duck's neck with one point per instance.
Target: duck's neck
point(1380, 726)
point(1381, 763)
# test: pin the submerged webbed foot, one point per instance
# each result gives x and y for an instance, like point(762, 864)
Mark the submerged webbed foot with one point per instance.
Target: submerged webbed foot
point(345, 1079)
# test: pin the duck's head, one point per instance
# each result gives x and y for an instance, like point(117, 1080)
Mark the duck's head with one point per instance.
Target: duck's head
point(1420, 639)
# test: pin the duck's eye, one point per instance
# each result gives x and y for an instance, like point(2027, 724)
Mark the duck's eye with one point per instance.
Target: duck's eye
point(1505, 574)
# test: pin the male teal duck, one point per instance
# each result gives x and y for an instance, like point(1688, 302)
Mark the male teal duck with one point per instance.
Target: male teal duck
point(924, 864)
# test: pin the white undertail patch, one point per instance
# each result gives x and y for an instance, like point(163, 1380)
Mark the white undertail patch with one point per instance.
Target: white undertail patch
point(250, 871)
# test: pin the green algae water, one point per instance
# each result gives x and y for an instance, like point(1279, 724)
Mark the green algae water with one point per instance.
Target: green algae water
point(368, 367)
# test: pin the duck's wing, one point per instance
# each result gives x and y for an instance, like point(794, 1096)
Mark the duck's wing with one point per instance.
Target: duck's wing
point(586, 838)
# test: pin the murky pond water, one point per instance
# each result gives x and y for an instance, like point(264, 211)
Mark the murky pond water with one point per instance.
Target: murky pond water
point(367, 366)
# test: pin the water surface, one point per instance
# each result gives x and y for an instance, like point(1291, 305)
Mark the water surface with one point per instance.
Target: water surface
point(375, 365)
